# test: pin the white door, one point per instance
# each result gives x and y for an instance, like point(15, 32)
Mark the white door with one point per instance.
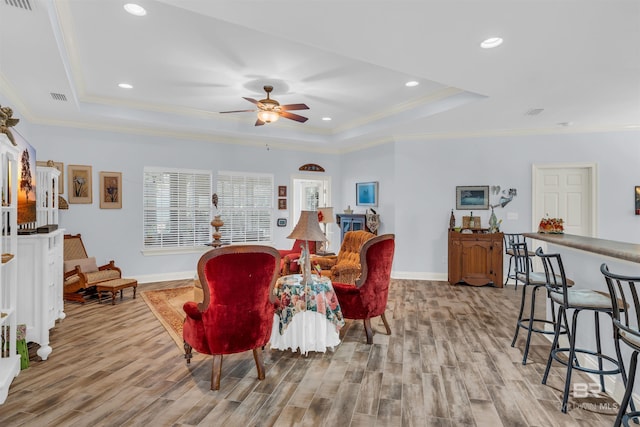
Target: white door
point(567, 192)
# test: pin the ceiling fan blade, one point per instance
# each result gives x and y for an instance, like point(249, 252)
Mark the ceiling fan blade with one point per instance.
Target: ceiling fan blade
point(251, 100)
point(292, 116)
point(294, 107)
point(259, 122)
point(238, 111)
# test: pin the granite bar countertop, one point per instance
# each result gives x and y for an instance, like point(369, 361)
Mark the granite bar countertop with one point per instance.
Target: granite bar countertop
point(611, 248)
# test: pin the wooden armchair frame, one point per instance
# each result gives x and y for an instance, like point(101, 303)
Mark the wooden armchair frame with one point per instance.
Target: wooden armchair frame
point(74, 249)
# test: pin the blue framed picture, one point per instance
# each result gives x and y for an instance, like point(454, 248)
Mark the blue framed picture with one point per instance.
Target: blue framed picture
point(472, 197)
point(367, 193)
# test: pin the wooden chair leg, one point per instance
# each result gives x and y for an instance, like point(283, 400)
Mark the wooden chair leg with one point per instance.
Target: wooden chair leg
point(257, 356)
point(368, 331)
point(187, 352)
point(216, 372)
point(386, 324)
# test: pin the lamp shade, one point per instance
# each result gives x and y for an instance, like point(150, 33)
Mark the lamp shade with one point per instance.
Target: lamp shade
point(307, 228)
point(325, 215)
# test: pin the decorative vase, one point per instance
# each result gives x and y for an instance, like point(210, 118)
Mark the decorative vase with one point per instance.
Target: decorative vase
point(493, 222)
point(217, 223)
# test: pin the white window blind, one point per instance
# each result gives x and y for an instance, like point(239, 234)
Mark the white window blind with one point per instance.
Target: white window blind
point(246, 206)
point(177, 208)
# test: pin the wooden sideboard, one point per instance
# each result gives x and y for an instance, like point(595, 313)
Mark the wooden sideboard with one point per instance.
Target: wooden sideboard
point(352, 222)
point(475, 258)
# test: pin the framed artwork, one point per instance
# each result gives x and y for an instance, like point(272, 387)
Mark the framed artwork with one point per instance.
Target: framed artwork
point(80, 184)
point(26, 181)
point(367, 193)
point(638, 200)
point(282, 204)
point(282, 191)
point(60, 167)
point(110, 190)
point(472, 197)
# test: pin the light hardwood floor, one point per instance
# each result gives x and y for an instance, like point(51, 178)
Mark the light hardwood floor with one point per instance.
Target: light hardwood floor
point(448, 362)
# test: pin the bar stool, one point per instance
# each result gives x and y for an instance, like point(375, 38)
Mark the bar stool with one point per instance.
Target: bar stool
point(535, 281)
point(509, 240)
point(623, 291)
point(576, 300)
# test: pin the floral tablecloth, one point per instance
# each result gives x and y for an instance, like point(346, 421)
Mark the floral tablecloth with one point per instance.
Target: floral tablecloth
point(295, 297)
point(308, 317)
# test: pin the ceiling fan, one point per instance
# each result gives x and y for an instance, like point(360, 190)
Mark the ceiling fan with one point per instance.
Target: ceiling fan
point(269, 110)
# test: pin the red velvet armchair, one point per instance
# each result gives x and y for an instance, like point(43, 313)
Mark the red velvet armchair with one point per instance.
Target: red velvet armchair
point(236, 313)
point(289, 257)
point(368, 297)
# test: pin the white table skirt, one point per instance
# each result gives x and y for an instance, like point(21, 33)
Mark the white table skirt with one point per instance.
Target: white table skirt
point(308, 331)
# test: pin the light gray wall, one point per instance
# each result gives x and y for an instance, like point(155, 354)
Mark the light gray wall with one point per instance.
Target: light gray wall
point(117, 233)
point(417, 181)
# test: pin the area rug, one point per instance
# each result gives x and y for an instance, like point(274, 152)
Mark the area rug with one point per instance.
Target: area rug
point(166, 305)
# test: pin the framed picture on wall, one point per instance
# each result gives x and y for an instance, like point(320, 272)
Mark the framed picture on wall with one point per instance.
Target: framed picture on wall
point(637, 199)
point(367, 193)
point(282, 204)
point(110, 190)
point(80, 184)
point(282, 191)
point(472, 197)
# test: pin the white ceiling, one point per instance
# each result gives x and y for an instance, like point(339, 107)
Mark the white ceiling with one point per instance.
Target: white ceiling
point(578, 60)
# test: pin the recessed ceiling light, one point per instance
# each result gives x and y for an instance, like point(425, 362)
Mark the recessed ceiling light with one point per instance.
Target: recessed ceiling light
point(135, 9)
point(490, 43)
point(412, 83)
point(125, 86)
point(326, 119)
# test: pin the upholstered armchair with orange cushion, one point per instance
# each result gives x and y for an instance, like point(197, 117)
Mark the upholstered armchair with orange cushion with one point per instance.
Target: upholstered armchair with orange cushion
point(82, 271)
point(344, 267)
point(368, 297)
point(236, 314)
point(289, 257)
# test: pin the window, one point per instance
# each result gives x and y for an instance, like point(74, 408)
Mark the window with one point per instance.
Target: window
point(246, 206)
point(177, 208)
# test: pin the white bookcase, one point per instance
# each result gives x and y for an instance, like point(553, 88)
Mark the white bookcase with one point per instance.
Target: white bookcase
point(9, 359)
point(48, 186)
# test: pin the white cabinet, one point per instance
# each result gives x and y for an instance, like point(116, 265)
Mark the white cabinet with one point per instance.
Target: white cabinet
point(40, 303)
point(47, 198)
point(9, 359)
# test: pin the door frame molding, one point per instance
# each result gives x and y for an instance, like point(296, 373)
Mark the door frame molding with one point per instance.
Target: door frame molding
point(593, 171)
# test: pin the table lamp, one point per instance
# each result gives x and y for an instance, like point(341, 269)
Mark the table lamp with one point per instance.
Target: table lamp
point(307, 228)
point(325, 216)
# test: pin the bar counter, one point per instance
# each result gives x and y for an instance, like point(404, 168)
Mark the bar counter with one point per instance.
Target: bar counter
point(610, 248)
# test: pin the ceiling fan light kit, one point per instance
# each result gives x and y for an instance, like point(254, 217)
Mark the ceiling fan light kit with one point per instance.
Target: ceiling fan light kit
point(268, 116)
point(270, 110)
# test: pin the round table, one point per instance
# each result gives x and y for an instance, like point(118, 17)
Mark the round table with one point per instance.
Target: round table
point(308, 317)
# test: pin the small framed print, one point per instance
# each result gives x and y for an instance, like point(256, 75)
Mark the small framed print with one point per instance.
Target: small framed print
point(80, 184)
point(638, 200)
point(472, 197)
point(59, 166)
point(282, 204)
point(282, 191)
point(110, 190)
